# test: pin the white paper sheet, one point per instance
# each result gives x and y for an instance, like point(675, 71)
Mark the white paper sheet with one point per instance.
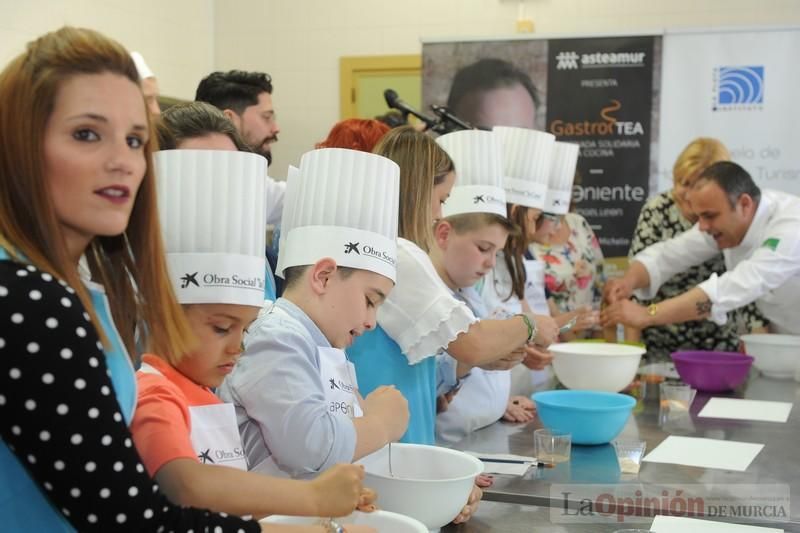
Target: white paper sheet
point(737, 409)
point(676, 524)
point(512, 469)
point(705, 453)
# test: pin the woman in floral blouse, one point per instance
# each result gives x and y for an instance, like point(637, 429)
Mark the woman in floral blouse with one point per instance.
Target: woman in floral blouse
point(573, 274)
point(667, 215)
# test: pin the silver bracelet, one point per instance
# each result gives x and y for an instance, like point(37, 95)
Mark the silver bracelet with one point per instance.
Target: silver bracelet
point(332, 526)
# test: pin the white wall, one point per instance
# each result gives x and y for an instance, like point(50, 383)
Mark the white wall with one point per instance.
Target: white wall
point(174, 36)
point(299, 42)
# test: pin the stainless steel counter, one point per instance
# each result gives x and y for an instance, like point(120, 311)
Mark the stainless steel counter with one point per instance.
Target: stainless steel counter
point(538, 492)
point(513, 518)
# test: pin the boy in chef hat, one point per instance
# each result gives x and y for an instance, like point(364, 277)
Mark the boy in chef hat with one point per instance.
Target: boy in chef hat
point(468, 238)
point(295, 393)
point(516, 283)
point(211, 205)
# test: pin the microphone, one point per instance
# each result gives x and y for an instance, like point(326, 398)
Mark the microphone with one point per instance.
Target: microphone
point(447, 116)
point(394, 102)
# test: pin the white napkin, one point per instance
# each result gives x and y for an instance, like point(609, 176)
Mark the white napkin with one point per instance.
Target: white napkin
point(737, 409)
point(676, 524)
point(705, 453)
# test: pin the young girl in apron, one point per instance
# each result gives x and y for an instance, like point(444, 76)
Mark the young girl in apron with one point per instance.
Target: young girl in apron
point(187, 437)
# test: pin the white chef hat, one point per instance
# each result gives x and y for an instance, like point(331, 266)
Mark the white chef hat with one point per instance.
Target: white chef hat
point(478, 159)
point(141, 66)
point(341, 204)
point(562, 174)
point(526, 164)
point(212, 209)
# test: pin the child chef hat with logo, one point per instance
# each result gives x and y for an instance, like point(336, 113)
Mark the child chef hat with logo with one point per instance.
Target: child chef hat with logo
point(562, 174)
point(342, 204)
point(526, 164)
point(212, 206)
point(478, 159)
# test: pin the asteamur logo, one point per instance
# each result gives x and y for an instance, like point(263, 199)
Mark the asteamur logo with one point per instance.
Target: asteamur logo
point(738, 88)
point(571, 60)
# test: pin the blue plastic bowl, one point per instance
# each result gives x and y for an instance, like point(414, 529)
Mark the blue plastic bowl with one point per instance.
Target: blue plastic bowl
point(592, 417)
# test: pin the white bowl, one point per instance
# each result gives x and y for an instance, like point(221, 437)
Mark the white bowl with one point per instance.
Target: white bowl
point(595, 365)
point(430, 483)
point(776, 356)
point(383, 521)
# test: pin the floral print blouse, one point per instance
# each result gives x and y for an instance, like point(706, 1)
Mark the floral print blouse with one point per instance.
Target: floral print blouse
point(661, 220)
point(573, 272)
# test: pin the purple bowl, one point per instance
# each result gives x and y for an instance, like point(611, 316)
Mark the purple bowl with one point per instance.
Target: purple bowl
point(712, 371)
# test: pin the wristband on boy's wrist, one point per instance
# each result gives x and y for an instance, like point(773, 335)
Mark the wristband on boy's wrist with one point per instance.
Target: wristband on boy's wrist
point(531, 326)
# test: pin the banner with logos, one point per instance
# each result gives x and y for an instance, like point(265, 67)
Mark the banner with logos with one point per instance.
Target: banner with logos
point(594, 91)
point(600, 96)
point(738, 86)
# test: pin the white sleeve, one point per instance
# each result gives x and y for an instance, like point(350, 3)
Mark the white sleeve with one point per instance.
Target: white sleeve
point(764, 271)
point(276, 191)
point(278, 384)
point(421, 315)
point(667, 258)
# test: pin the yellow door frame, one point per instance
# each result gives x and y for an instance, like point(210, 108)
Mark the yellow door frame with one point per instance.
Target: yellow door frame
point(350, 67)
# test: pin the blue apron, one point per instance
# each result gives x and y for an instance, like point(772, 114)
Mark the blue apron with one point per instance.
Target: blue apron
point(379, 361)
point(23, 504)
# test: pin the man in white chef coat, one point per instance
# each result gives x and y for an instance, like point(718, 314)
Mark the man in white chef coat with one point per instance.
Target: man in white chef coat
point(759, 235)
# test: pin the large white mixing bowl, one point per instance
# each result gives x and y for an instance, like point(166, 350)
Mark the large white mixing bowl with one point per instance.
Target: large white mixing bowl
point(430, 483)
point(596, 366)
point(383, 521)
point(776, 356)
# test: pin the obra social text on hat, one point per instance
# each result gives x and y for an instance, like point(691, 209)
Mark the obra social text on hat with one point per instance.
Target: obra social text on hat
point(378, 254)
point(215, 280)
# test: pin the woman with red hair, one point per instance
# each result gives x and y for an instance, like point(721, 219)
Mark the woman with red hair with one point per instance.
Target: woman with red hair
point(356, 134)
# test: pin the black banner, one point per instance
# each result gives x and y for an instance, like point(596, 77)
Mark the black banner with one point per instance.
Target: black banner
point(600, 95)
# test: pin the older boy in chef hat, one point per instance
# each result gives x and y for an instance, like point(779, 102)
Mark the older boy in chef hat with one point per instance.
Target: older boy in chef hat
point(472, 232)
point(295, 393)
point(516, 283)
point(211, 205)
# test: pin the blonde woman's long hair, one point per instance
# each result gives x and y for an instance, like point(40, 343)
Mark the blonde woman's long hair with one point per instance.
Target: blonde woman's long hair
point(423, 164)
point(130, 266)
